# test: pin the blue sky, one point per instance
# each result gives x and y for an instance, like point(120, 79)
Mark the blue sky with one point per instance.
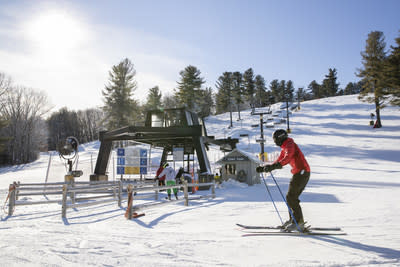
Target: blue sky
point(66, 48)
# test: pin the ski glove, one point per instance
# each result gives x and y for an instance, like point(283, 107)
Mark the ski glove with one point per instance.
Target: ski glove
point(269, 168)
point(260, 169)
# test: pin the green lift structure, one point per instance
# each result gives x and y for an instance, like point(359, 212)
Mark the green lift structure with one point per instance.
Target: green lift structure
point(165, 129)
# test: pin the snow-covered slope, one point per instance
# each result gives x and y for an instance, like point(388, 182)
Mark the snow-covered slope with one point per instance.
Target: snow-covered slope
point(354, 184)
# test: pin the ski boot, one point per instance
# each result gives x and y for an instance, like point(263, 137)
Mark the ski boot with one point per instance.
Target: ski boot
point(299, 227)
point(285, 224)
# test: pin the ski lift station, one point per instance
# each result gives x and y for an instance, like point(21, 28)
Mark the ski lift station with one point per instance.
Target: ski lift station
point(171, 130)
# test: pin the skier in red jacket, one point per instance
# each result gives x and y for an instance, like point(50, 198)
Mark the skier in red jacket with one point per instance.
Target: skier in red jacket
point(161, 179)
point(291, 154)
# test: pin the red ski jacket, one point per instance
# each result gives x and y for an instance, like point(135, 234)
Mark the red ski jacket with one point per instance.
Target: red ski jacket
point(291, 154)
point(159, 171)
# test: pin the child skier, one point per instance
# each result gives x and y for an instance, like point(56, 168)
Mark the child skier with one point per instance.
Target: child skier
point(170, 174)
point(291, 154)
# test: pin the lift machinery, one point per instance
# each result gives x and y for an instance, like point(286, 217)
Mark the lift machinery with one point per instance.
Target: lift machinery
point(165, 129)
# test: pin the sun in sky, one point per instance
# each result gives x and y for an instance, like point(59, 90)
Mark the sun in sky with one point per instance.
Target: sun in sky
point(55, 32)
point(60, 56)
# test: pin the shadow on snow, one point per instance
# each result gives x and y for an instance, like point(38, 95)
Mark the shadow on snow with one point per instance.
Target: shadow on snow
point(387, 253)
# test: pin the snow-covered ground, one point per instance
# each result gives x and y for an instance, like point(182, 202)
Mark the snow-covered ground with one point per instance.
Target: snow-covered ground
point(355, 184)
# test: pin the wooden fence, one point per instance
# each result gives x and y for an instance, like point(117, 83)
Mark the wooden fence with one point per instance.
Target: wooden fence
point(131, 209)
point(78, 194)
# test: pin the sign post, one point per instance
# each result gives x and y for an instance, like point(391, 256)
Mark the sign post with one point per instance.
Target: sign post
point(261, 140)
point(131, 161)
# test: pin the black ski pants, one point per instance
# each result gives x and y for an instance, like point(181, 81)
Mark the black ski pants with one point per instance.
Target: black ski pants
point(296, 187)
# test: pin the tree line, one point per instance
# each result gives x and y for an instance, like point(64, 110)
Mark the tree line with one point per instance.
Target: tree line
point(22, 128)
point(25, 130)
point(235, 91)
point(26, 127)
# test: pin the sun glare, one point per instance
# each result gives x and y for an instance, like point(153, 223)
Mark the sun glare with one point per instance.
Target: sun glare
point(55, 31)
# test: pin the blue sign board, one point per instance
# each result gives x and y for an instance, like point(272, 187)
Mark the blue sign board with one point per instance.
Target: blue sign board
point(120, 161)
point(120, 170)
point(120, 152)
point(124, 159)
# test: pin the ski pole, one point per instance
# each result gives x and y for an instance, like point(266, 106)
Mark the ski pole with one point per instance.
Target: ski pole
point(284, 199)
point(270, 196)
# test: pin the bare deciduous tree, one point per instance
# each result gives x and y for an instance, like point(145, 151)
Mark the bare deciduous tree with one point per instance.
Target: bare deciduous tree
point(24, 108)
point(5, 83)
point(91, 122)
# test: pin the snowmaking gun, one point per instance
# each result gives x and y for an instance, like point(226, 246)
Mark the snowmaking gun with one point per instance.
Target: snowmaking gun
point(69, 152)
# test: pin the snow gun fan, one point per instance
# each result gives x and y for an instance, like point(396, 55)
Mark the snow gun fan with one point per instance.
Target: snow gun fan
point(69, 152)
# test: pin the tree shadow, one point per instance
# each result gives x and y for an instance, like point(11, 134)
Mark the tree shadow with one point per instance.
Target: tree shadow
point(259, 193)
point(387, 253)
point(351, 184)
point(93, 218)
point(31, 216)
point(67, 221)
point(156, 221)
point(16, 168)
point(351, 152)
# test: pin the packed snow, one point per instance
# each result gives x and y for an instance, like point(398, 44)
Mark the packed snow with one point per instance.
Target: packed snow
point(354, 184)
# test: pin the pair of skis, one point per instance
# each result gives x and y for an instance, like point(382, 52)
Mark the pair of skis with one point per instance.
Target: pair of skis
point(252, 230)
point(268, 230)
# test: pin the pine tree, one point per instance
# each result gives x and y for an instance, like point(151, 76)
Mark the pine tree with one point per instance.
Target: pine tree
point(392, 73)
point(315, 89)
point(224, 94)
point(249, 85)
point(153, 99)
point(120, 107)
point(301, 94)
point(373, 59)
point(289, 91)
point(237, 89)
point(275, 90)
point(189, 86)
point(205, 103)
point(281, 91)
point(329, 85)
point(352, 88)
point(261, 95)
point(268, 99)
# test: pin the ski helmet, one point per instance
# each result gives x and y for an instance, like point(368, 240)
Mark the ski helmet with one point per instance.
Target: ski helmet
point(279, 136)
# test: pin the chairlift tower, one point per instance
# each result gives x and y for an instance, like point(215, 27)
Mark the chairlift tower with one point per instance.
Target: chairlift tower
point(261, 140)
point(287, 116)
